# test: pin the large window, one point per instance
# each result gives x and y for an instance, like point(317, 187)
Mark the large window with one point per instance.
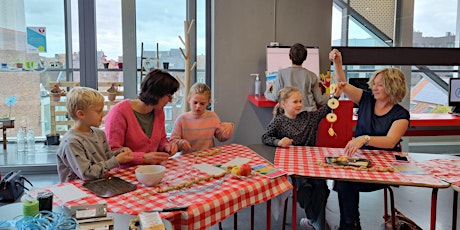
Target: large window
point(357, 24)
point(32, 50)
point(158, 26)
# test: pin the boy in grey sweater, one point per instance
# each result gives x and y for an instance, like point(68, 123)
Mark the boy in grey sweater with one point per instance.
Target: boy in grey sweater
point(84, 152)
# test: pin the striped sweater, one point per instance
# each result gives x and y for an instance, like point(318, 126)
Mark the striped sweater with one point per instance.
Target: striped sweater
point(199, 131)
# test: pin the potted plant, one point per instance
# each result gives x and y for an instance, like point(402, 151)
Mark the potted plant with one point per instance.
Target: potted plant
point(19, 63)
point(112, 92)
point(56, 93)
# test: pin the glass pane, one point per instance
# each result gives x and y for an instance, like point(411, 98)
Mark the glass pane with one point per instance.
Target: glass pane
point(336, 25)
point(358, 35)
point(159, 24)
point(75, 37)
point(439, 32)
point(201, 41)
point(109, 37)
point(32, 50)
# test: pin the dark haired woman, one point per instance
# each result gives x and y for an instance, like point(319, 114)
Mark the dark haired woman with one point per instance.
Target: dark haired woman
point(140, 123)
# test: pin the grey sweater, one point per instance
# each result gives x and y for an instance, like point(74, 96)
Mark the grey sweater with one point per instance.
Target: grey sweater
point(304, 80)
point(84, 156)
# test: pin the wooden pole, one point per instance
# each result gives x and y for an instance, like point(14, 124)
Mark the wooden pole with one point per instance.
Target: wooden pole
point(188, 66)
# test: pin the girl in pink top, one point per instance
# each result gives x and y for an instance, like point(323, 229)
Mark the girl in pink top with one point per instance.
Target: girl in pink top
point(195, 130)
point(140, 124)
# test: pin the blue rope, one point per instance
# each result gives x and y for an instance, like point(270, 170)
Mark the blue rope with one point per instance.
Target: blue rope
point(44, 220)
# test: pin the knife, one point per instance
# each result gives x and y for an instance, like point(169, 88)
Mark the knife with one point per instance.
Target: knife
point(183, 208)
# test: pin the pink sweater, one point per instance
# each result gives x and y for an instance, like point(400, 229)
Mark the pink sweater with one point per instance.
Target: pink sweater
point(200, 132)
point(123, 130)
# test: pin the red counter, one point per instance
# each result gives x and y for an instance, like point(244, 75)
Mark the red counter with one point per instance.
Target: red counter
point(430, 124)
point(261, 101)
point(424, 124)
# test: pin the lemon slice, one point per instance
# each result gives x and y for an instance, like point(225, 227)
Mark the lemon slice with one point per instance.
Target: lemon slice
point(331, 132)
point(333, 103)
point(331, 117)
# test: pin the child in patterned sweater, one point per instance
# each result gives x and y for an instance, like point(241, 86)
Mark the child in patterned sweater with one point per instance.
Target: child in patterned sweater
point(291, 126)
point(195, 130)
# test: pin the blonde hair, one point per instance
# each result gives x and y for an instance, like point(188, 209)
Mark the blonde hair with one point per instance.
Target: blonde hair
point(82, 98)
point(394, 82)
point(283, 95)
point(199, 88)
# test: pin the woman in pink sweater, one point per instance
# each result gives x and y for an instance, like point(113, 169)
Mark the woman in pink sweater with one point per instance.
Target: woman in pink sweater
point(140, 123)
point(195, 130)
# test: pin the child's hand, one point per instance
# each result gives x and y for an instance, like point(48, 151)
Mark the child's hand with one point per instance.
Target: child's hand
point(226, 129)
point(171, 148)
point(126, 155)
point(184, 145)
point(285, 142)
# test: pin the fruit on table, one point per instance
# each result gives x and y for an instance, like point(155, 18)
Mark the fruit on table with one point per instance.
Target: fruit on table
point(236, 170)
point(245, 170)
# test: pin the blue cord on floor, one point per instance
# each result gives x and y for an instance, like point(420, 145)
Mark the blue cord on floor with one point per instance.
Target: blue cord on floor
point(44, 220)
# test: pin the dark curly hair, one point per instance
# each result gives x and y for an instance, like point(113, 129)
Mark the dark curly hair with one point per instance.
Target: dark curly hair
point(156, 84)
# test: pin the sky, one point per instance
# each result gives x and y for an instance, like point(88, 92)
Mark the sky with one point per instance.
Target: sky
point(162, 22)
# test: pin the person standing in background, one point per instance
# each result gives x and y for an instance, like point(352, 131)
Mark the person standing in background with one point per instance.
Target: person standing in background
point(303, 79)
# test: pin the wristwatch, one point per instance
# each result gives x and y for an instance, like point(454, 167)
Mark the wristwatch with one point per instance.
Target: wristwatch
point(367, 138)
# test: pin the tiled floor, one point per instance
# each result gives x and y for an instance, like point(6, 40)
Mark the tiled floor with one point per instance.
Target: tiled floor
point(413, 202)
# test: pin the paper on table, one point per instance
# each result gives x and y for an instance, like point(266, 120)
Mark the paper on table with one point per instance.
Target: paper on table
point(209, 169)
point(68, 192)
point(238, 161)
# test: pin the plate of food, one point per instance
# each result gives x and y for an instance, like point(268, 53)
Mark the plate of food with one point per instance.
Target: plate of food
point(346, 161)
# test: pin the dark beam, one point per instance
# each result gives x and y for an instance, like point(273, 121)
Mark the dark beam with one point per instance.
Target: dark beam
point(400, 56)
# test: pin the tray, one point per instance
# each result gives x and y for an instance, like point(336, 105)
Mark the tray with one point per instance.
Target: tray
point(355, 162)
point(110, 186)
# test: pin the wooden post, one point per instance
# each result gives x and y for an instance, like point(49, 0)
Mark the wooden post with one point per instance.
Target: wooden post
point(188, 66)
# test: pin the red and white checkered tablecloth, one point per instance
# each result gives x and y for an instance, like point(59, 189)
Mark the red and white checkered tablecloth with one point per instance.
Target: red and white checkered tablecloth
point(303, 161)
point(445, 169)
point(209, 202)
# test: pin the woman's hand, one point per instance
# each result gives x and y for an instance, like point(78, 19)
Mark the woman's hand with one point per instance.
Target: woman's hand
point(335, 55)
point(353, 145)
point(154, 158)
point(285, 142)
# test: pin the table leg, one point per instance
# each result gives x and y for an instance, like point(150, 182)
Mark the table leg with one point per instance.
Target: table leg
point(392, 206)
point(454, 210)
point(385, 205)
point(434, 197)
point(4, 138)
point(252, 217)
point(294, 203)
point(269, 214)
point(285, 213)
point(235, 221)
